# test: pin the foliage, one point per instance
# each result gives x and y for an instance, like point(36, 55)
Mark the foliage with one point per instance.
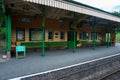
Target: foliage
point(116, 13)
point(2, 32)
point(118, 37)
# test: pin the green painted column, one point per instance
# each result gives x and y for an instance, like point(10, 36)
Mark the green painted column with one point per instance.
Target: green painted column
point(43, 36)
point(9, 39)
point(74, 48)
point(94, 33)
point(94, 38)
point(110, 40)
point(115, 36)
point(107, 40)
point(6, 33)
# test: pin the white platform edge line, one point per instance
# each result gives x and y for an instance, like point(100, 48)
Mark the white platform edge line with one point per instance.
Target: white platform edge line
point(19, 78)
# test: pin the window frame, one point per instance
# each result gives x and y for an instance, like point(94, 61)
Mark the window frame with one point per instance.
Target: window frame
point(23, 30)
point(83, 35)
point(30, 36)
point(96, 35)
point(62, 35)
point(52, 35)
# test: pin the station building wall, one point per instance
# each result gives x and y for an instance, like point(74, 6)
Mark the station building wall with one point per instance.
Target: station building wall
point(50, 25)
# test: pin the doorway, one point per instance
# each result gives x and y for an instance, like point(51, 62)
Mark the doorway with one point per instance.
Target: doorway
point(70, 39)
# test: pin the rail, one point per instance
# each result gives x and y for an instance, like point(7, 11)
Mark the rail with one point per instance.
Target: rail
point(111, 75)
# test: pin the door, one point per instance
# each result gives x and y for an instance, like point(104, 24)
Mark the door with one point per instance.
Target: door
point(70, 39)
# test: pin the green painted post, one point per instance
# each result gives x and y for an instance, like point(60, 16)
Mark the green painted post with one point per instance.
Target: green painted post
point(107, 40)
point(6, 34)
point(110, 40)
point(115, 36)
point(43, 36)
point(94, 34)
point(74, 48)
point(9, 39)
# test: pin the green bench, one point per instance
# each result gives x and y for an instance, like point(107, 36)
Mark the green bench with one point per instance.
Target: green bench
point(47, 44)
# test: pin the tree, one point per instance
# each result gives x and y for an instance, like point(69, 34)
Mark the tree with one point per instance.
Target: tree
point(116, 13)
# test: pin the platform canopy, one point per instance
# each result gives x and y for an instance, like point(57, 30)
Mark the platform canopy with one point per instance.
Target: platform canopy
point(77, 7)
point(32, 6)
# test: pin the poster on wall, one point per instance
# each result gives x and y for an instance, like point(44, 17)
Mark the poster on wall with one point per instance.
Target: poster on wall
point(35, 34)
point(20, 34)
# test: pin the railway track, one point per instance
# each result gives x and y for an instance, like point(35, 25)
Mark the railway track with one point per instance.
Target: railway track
point(113, 76)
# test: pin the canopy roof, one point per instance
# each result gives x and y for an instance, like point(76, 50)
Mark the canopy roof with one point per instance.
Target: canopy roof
point(77, 7)
point(32, 7)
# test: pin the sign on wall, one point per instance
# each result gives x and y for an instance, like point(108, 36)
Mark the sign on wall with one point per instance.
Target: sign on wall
point(25, 20)
point(35, 34)
point(20, 34)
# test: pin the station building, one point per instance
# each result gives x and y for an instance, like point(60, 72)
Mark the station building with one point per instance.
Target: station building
point(46, 24)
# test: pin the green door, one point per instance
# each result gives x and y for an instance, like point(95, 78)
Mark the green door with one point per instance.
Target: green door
point(70, 39)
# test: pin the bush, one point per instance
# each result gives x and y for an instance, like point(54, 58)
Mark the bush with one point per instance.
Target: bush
point(2, 32)
point(118, 37)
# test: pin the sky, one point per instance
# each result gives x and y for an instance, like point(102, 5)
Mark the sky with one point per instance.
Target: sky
point(107, 5)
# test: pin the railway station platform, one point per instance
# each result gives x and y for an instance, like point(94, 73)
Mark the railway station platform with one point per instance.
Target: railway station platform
point(34, 62)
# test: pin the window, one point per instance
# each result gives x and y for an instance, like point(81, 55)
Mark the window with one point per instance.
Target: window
point(83, 35)
point(20, 34)
point(99, 36)
point(94, 34)
point(80, 35)
point(62, 35)
point(50, 35)
point(35, 34)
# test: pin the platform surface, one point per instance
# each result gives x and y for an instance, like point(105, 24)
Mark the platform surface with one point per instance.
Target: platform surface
point(53, 59)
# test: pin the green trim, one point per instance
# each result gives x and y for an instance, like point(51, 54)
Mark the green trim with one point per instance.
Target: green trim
point(94, 39)
point(6, 32)
point(74, 48)
point(43, 36)
point(115, 36)
point(94, 34)
point(108, 39)
point(9, 32)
